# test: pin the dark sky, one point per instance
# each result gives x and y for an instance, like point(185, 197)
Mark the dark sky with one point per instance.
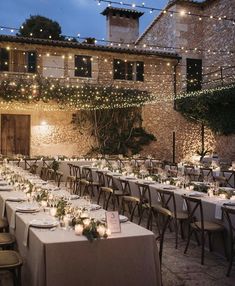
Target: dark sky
point(74, 16)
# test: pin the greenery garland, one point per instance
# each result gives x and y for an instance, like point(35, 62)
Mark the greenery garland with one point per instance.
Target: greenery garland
point(82, 96)
point(212, 107)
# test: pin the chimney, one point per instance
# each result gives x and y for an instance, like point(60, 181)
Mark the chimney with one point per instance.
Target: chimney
point(122, 24)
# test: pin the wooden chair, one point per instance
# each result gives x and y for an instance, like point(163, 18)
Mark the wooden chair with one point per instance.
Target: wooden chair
point(229, 177)
point(145, 203)
point(3, 225)
point(117, 194)
point(11, 261)
point(70, 182)
point(167, 199)
point(129, 202)
point(206, 174)
point(43, 173)
point(194, 206)
point(87, 173)
point(58, 177)
point(190, 172)
point(229, 214)
point(7, 240)
point(106, 194)
point(101, 179)
point(29, 162)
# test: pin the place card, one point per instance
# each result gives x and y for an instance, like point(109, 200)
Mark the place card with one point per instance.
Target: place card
point(113, 222)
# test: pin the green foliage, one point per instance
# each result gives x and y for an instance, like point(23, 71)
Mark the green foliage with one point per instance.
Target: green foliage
point(81, 97)
point(213, 107)
point(117, 131)
point(41, 27)
point(55, 165)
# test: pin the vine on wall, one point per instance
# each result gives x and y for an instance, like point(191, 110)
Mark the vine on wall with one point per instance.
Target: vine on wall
point(116, 131)
point(215, 108)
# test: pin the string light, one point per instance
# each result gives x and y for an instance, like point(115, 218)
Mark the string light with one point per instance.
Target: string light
point(148, 47)
point(162, 10)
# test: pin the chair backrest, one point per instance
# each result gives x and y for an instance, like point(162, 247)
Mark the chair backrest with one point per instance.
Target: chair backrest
point(77, 172)
point(206, 174)
point(50, 175)
point(194, 209)
point(70, 169)
point(43, 173)
point(101, 178)
point(229, 214)
point(167, 199)
point(229, 175)
point(110, 181)
point(126, 189)
point(29, 162)
point(47, 163)
point(58, 177)
point(87, 172)
point(144, 193)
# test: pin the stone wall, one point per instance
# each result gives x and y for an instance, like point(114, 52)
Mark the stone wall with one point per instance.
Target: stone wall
point(58, 136)
point(191, 32)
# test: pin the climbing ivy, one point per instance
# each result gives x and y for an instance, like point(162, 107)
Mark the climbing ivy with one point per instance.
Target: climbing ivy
point(116, 131)
point(215, 108)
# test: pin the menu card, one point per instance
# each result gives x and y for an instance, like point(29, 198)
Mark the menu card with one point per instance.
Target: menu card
point(113, 222)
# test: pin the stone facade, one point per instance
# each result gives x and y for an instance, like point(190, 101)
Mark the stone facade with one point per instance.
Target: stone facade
point(58, 136)
point(175, 30)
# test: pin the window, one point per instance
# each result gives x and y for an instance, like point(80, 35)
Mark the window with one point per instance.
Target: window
point(126, 70)
point(32, 62)
point(82, 66)
point(4, 59)
point(194, 75)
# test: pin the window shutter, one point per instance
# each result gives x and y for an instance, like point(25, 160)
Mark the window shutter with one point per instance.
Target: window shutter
point(4, 59)
point(139, 71)
point(32, 62)
point(119, 69)
point(82, 66)
point(194, 74)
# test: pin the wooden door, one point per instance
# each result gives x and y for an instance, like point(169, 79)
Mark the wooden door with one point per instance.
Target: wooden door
point(15, 134)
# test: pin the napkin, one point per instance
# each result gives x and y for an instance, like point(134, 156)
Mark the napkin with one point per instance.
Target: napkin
point(184, 207)
point(13, 219)
point(26, 234)
point(218, 210)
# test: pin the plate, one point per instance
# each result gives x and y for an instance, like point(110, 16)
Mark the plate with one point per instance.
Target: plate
point(169, 188)
point(116, 174)
point(15, 199)
point(6, 188)
point(196, 194)
point(74, 197)
point(3, 183)
point(231, 204)
point(27, 209)
point(149, 182)
point(44, 223)
point(94, 207)
point(131, 178)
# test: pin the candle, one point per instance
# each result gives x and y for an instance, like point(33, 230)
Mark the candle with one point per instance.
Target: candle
point(44, 203)
point(86, 221)
point(101, 230)
point(108, 232)
point(53, 211)
point(66, 220)
point(78, 229)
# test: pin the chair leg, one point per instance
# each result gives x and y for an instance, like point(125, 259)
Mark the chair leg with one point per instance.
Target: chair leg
point(176, 233)
point(133, 212)
point(181, 229)
point(203, 247)
point(190, 232)
point(210, 242)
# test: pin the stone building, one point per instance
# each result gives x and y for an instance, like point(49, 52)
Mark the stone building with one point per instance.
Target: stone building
point(47, 130)
point(164, 72)
point(205, 41)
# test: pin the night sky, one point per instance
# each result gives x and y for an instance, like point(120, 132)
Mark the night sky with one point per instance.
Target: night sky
point(75, 16)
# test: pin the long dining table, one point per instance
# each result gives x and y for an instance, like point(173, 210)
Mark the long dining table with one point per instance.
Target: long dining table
point(59, 257)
